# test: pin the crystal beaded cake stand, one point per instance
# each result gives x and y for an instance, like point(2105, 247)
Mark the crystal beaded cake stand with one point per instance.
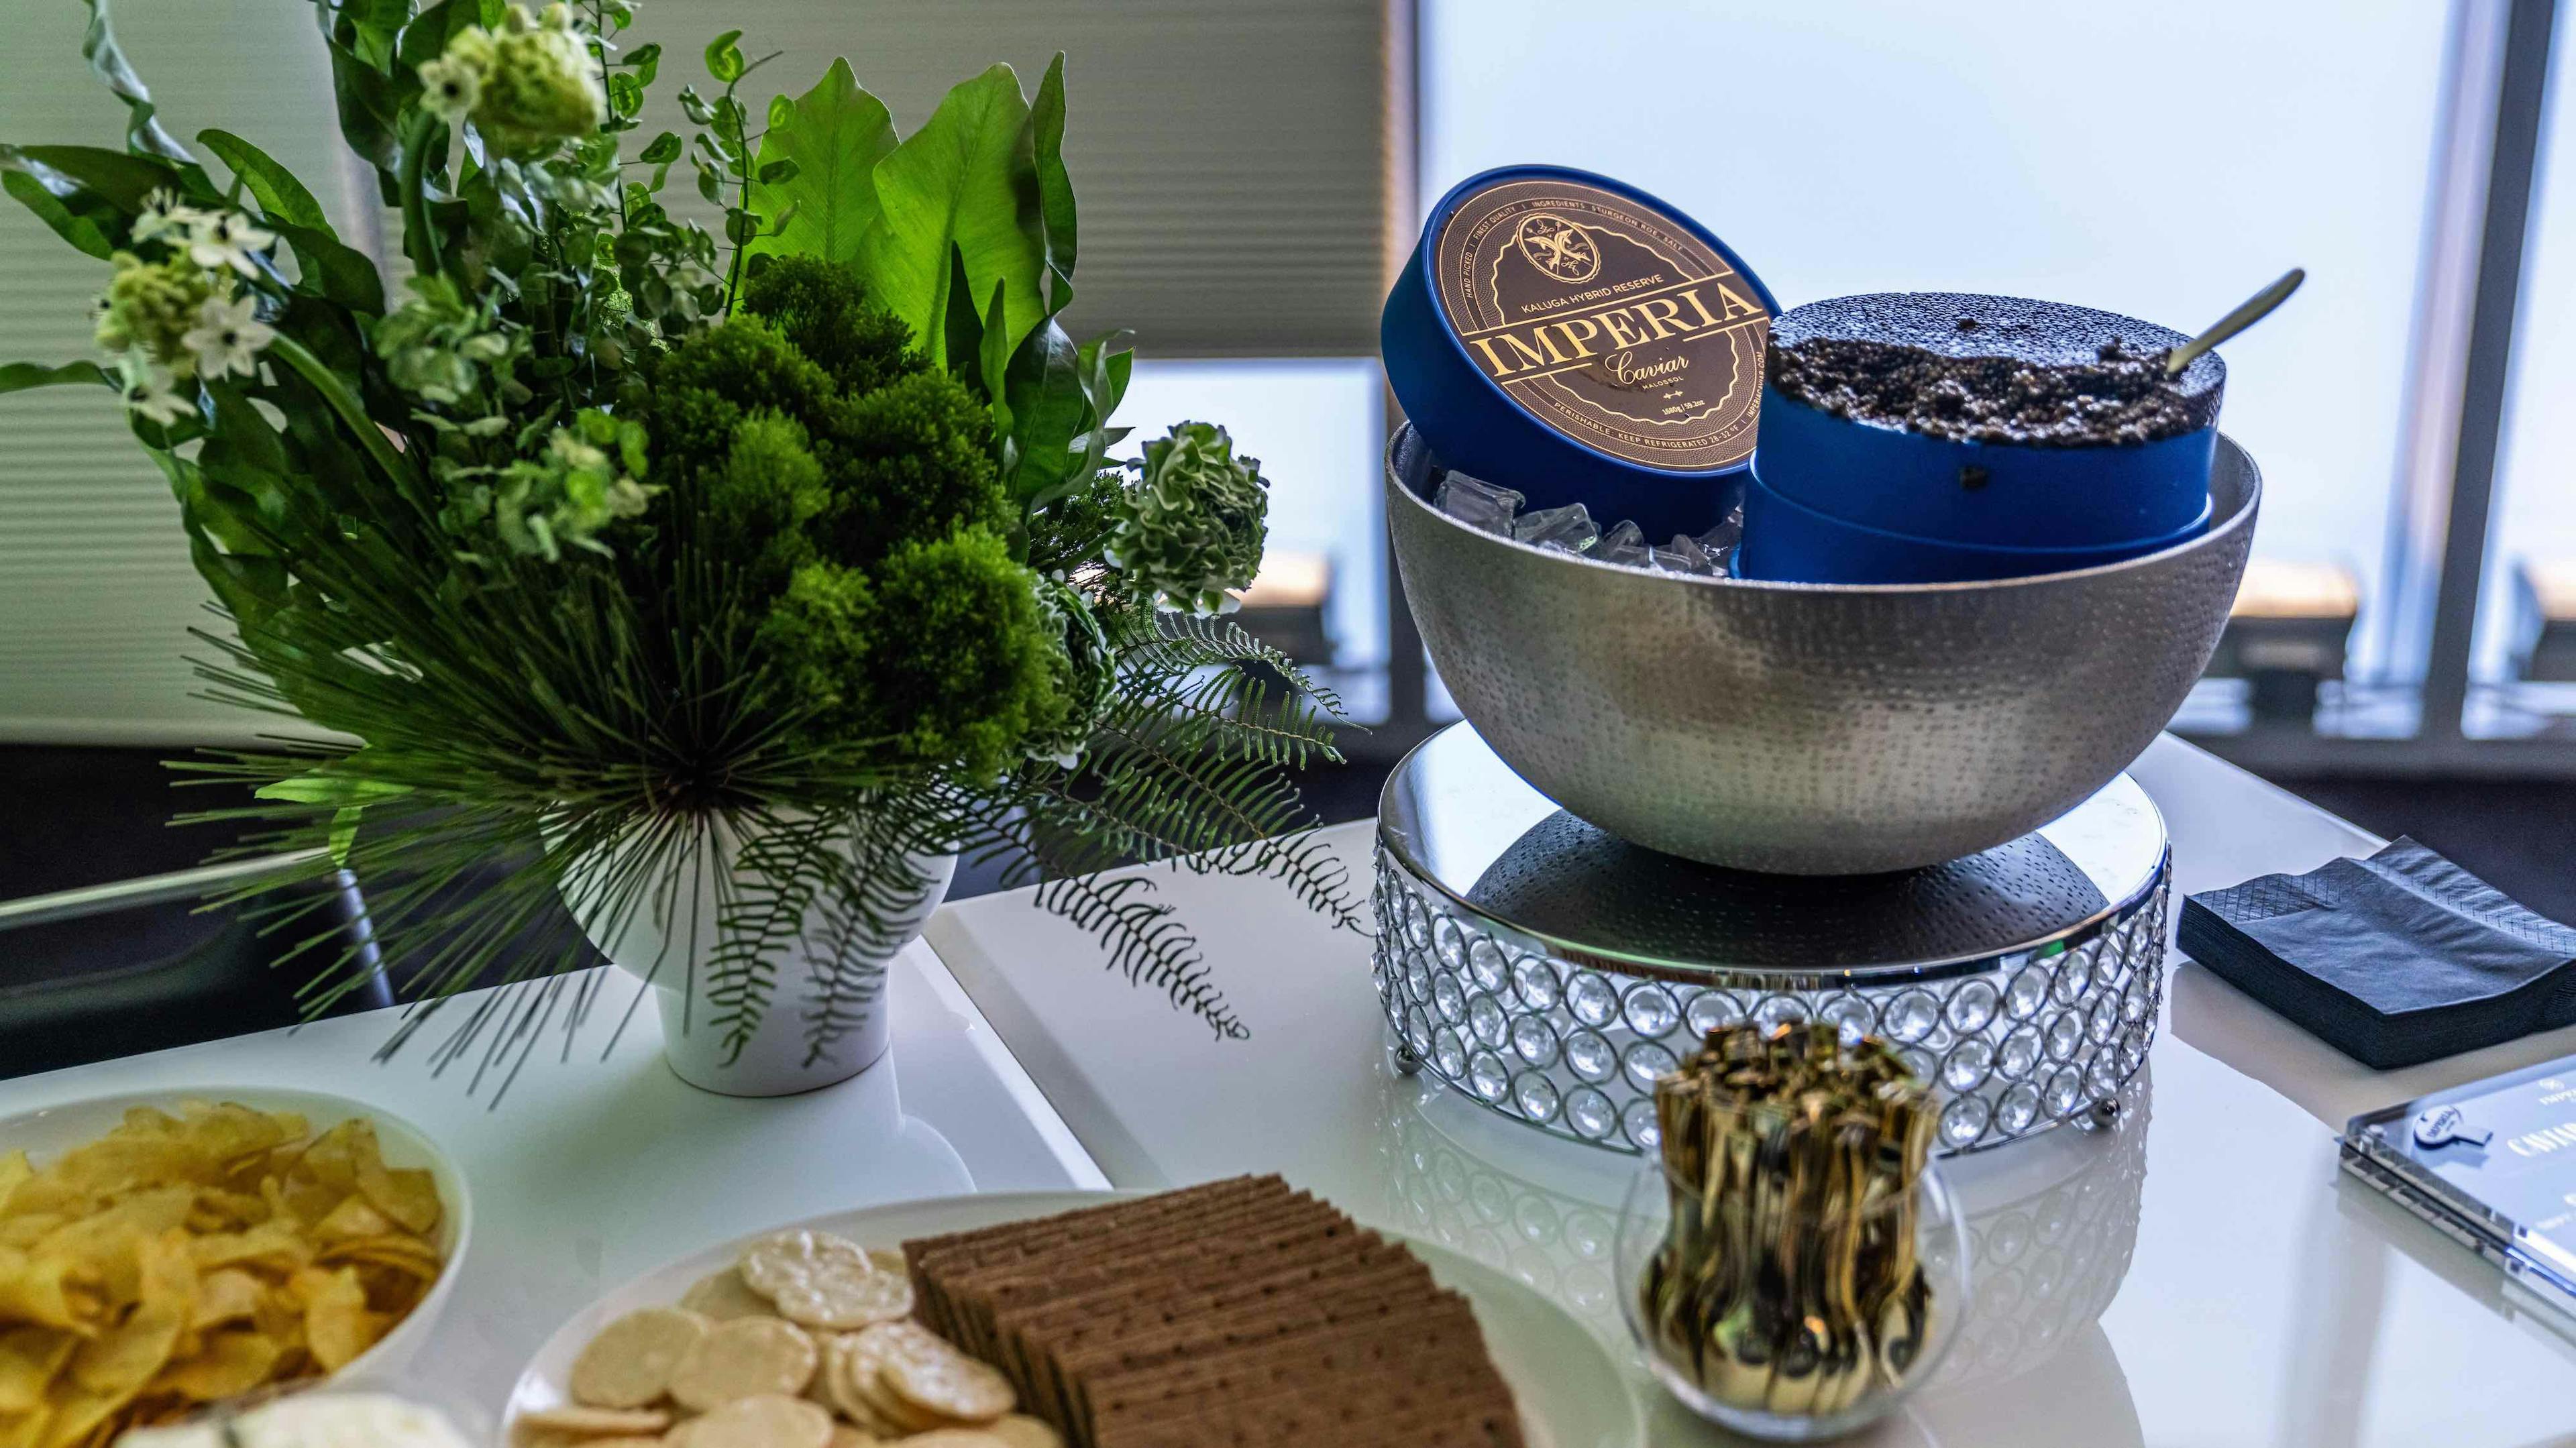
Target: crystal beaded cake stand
point(1552, 971)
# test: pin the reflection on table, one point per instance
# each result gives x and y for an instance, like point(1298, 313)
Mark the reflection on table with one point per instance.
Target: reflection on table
point(2052, 1222)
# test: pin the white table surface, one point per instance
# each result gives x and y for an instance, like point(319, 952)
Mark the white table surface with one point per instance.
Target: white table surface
point(590, 1171)
point(2253, 1295)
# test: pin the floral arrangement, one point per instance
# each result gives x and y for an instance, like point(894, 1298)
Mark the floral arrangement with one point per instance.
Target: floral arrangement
point(602, 542)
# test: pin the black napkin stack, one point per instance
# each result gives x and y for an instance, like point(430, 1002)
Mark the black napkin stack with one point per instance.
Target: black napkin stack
point(2400, 958)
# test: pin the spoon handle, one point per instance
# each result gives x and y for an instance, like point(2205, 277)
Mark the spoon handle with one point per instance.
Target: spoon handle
point(2253, 309)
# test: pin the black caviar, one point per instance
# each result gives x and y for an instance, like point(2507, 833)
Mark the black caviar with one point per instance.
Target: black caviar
point(1964, 368)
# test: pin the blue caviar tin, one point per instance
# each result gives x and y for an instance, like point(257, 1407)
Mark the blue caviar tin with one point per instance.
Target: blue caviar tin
point(2050, 492)
point(1574, 338)
point(1785, 541)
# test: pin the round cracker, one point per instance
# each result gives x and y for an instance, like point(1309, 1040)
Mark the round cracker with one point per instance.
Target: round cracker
point(723, 1296)
point(833, 1391)
point(575, 1421)
point(827, 1360)
point(629, 1363)
point(948, 1383)
point(763, 1420)
point(836, 1295)
point(845, 1436)
point(747, 1357)
point(890, 1259)
point(957, 1438)
point(1019, 1430)
point(775, 1260)
point(926, 1372)
point(863, 1380)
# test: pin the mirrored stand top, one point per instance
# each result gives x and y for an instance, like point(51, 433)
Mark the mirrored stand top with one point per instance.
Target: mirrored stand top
point(1456, 818)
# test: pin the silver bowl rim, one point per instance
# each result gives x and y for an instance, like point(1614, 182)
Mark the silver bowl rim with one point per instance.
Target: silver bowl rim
point(2242, 517)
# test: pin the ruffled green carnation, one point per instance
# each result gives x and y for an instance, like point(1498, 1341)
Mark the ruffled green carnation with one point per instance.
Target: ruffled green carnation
point(150, 307)
point(1190, 528)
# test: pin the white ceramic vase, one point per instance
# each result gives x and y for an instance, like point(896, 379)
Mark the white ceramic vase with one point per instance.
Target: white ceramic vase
point(668, 930)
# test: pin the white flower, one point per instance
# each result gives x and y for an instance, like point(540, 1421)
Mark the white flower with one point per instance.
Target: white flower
point(451, 86)
point(227, 338)
point(153, 392)
point(163, 214)
point(226, 239)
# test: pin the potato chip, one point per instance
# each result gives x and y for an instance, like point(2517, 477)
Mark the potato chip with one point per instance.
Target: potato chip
point(38, 1292)
point(123, 1358)
point(26, 1229)
point(273, 1246)
point(14, 1173)
point(409, 1195)
point(103, 1246)
point(228, 1133)
point(337, 1324)
point(111, 1166)
point(225, 1295)
point(194, 1255)
point(228, 1365)
point(396, 1243)
point(333, 1158)
point(109, 1370)
point(219, 1210)
point(23, 1430)
point(29, 1359)
point(352, 1218)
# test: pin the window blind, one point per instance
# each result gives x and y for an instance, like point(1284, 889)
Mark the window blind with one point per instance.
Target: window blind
point(96, 592)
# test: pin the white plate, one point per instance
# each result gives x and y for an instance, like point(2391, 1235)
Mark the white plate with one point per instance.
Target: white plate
point(1570, 1394)
point(47, 1133)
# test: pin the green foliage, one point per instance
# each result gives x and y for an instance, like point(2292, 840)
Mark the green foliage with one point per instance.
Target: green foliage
point(769, 487)
point(144, 135)
point(613, 549)
point(917, 460)
point(833, 135)
point(19, 376)
point(942, 651)
point(822, 308)
point(587, 478)
point(703, 388)
point(959, 185)
point(1071, 532)
point(907, 458)
point(864, 498)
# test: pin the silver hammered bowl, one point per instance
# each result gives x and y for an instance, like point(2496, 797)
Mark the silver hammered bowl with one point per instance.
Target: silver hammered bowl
point(1813, 729)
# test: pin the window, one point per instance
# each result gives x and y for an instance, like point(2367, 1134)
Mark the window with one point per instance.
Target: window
point(2163, 161)
point(2526, 658)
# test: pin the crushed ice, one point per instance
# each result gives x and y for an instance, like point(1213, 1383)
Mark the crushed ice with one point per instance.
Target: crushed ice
point(1570, 529)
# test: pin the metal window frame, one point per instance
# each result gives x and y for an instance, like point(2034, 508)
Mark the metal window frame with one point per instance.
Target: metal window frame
point(2460, 374)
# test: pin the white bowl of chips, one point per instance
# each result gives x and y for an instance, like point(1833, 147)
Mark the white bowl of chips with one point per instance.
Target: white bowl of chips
point(190, 1247)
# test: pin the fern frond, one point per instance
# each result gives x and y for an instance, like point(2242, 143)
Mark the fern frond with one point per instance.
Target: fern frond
point(1145, 943)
